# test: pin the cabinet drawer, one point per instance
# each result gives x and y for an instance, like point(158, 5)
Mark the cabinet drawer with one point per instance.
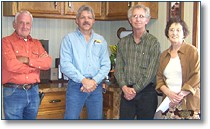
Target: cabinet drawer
point(51, 114)
point(54, 100)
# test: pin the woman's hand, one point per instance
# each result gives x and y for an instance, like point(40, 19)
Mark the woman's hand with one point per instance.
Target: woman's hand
point(176, 98)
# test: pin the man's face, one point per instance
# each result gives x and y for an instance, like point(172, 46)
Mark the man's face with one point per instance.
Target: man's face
point(85, 21)
point(138, 19)
point(23, 25)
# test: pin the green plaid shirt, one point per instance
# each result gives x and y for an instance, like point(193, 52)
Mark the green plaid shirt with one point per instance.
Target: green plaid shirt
point(137, 63)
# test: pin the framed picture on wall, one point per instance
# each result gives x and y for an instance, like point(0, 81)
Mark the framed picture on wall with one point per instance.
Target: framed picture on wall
point(175, 9)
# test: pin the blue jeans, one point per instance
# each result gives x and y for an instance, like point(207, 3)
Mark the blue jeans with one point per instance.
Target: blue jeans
point(20, 103)
point(75, 100)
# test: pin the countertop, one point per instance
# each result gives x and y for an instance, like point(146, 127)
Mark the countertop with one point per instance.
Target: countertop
point(52, 87)
point(61, 86)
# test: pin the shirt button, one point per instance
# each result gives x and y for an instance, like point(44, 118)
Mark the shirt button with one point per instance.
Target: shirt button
point(26, 77)
point(16, 51)
point(39, 67)
point(143, 53)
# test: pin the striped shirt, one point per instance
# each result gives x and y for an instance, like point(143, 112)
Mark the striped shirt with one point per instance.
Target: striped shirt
point(136, 64)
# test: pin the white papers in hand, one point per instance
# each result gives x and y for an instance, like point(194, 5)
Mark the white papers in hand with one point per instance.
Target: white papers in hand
point(164, 105)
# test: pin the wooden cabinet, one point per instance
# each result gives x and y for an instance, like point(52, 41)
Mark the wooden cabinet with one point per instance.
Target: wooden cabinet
point(70, 8)
point(38, 9)
point(116, 10)
point(119, 10)
point(108, 105)
point(153, 8)
point(52, 105)
point(103, 10)
point(50, 9)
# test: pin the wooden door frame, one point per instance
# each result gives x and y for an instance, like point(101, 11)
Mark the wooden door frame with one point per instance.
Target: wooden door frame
point(195, 23)
point(169, 10)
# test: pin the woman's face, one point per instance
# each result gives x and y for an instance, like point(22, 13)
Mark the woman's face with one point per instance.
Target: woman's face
point(175, 33)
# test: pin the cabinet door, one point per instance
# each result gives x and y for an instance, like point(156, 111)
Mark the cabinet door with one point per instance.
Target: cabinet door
point(41, 7)
point(52, 105)
point(70, 8)
point(38, 9)
point(117, 10)
point(153, 8)
point(53, 100)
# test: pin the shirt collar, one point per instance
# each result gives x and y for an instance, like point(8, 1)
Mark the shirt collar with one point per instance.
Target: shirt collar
point(142, 37)
point(181, 49)
point(20, 37)
point(79, 32)
point(145, 33)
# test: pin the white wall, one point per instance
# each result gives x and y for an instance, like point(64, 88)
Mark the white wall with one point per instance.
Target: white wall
point(188, 18)
point(54, 29)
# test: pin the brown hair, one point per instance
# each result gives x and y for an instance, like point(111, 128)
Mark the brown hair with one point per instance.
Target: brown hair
point(181, 22)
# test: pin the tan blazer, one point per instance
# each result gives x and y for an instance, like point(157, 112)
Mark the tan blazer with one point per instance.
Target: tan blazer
point(190, 63)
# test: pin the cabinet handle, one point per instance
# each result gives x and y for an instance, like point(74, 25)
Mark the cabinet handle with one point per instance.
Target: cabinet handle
point(69, 4)
point(55, 101)
point(129, 4)
point(55, 4)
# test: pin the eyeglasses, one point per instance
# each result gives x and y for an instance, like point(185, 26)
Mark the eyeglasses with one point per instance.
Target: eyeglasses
point(138, 16)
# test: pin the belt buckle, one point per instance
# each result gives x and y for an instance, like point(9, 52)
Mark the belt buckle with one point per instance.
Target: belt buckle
point(24, 86)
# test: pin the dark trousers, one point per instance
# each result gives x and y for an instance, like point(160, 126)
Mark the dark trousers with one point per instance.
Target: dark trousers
point(143, 106)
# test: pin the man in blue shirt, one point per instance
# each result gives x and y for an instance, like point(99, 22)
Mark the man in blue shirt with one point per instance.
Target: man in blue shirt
point(84, 59)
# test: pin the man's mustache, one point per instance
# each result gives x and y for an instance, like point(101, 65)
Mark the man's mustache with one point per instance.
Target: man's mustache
point(86, 23)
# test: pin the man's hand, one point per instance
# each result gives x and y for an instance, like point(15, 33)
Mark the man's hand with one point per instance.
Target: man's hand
point(89, 85)
point(129, 93)
point(23, 59)
point(88, 89)
point(43, 55)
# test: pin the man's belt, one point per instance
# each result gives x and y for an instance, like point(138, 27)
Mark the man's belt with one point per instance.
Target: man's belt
point(131, 86)
point(89, 77)
point(20, 86)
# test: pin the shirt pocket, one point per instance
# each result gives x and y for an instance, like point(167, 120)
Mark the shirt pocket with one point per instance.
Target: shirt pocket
point(19, 50)
point(145, 60)
point(35, 53)
point(96, 51)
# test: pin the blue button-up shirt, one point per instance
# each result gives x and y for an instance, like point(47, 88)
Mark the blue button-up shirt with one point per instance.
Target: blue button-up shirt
point(80, 59)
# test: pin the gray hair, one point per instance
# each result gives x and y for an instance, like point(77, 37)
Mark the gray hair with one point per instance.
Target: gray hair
point(85, 8)
point(22, 12)
point(146, 9)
